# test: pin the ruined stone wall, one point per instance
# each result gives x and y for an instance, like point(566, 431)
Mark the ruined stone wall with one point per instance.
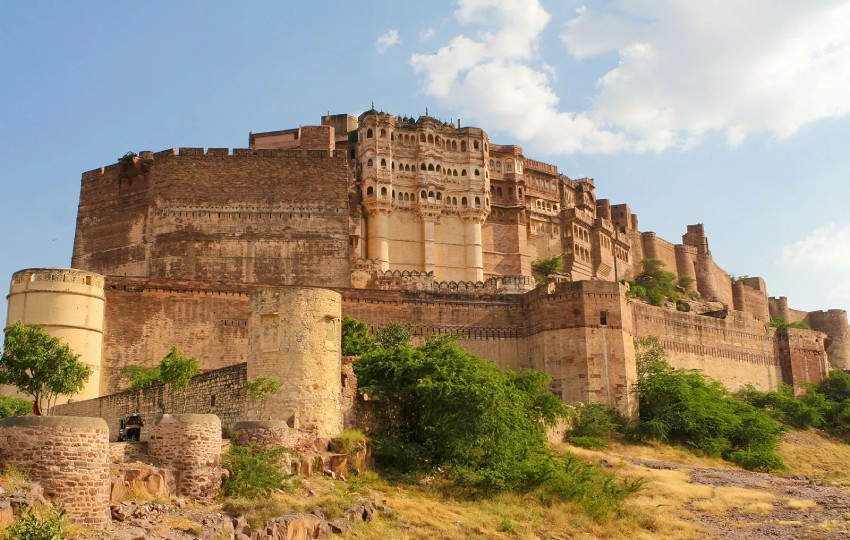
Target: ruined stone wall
point(145, 318)
point(737, 350)
point(220, 392)
point(191, 445)
point(257, 216)
point(801, 355)
point(68, 457)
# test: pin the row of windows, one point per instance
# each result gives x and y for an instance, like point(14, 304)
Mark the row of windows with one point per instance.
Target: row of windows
point(542, 205)
point(541, 183)
point(581, 253)
point(427, 139)
point(406, 167)
point(496, 165)
point(497, 191)
point(424, 196)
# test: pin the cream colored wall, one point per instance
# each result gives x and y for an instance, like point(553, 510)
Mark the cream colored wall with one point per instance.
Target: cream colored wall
point(294, 335)
point(69, 305)
point(406, 253)
point(451, 249)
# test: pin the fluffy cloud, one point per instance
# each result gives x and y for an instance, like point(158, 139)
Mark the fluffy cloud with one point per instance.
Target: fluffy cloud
point(826, 247)
point(684, 69)
point(387, 40)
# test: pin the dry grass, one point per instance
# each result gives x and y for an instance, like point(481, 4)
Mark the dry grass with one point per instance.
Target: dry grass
point(724, 499)
point(813, 454)
point(185, 525)
point(799, 504)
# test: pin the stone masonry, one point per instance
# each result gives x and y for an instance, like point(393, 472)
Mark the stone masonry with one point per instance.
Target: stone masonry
point(190, 444)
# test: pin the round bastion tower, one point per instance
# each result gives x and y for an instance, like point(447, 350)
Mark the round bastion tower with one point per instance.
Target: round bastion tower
point(69, 305)
point(294, 335)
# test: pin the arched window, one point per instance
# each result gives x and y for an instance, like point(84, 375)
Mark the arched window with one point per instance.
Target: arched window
point(393, 194)
point(392, 166)
point(520, 193)
point(509, 166)
point(406, 196)
point(383, 192)
point(487, 200)
point(369, 162)
point(438, 141)
point(454, 172)
point(439, 196)
point(454, 146)
point(498, 192)
point(369, 133)
point(423, 167)
point(383, 163)
point(392, 136)
point(475, 145)
point(477, 202)
point(498, 166)
point(477, 173)
point(430, 139)
point(463, 202)
point(492, 164)
point(370, 191)
point(383, 133)
point(430, 166)
point(438, 168)
point(463, 172)
point(454, 201)
point(463, 146)
point(430, 194)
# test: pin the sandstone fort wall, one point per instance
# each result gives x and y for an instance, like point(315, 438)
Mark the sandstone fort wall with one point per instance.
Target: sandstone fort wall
point(260, 216)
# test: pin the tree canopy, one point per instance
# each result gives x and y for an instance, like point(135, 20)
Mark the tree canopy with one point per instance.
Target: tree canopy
point(40, 365)
point(175, 369)
point(451, 409)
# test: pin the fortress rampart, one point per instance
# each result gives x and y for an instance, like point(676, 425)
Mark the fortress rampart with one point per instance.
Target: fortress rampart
point(406, 220)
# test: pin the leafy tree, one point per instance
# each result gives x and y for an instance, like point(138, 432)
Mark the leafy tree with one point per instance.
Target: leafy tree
point(686, 407)
point(255, 470)
point(140, 376)
point(40, 365)
point(548, 266)
point(451, 409)
point(10, 406)
point(259, 389)
point(393, 335)
point(356, 339)
point(780, 322)
point(175, 369)
point(654, 284)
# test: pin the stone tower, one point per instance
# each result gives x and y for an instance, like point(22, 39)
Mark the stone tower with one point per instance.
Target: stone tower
point(69, 305)
point(294, 335)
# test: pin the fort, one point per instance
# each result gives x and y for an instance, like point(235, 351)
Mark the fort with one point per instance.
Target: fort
point(248, 258)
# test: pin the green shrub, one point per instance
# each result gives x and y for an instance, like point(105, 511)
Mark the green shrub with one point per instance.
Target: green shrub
point(349, 441)
point(45, 523)
point(686, 407)
point(780, 322)
point(254, 470)
point(596, 491)
point(784, 407)
point(591, 443)
point(596, 420)
point(356, 339)
point(10, 406)
point(453, 410)
point(656, 285)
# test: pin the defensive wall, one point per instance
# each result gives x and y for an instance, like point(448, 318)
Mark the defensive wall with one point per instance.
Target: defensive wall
point(275, 217)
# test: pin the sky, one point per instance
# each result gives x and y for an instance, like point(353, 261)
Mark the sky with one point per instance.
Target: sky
point(731, 113)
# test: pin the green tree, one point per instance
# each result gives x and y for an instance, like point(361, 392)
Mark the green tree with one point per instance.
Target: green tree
point(175, 369)
point(547, 266)
point(448, 408)
point(40, 365)
point(259, 389)
point(10, 406)
point(780, 322)
point(654, 284)
point(356, 339)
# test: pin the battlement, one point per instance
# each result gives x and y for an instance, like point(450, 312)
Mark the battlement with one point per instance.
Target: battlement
point(534, 165)
point(65, 275)
point(279, 153)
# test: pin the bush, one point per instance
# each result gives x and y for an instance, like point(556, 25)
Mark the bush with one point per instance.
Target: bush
point(594, 490)
point(45, 523)
point(784, 407)
point(656, 285)
point(596, 420)
point(10, 406)
point(349, 441)
point(356, 339)
point(254, 470)
point(454, 410)
point(780, 322)
point(688, 408)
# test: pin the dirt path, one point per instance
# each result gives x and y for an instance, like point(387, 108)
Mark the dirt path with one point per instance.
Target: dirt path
point(762, 505)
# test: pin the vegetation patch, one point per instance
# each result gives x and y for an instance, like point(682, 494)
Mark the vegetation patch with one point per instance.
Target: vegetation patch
point(254, 470)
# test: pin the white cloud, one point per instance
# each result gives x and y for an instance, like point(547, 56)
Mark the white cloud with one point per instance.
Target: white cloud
point(387, 40)
point(826, 247)
point(684, 69)
point(426, 33)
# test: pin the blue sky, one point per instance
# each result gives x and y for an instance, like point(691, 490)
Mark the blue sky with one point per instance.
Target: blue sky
point(729, 113)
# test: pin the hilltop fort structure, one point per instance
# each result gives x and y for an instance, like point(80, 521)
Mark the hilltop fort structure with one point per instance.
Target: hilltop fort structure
point(249, 257)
